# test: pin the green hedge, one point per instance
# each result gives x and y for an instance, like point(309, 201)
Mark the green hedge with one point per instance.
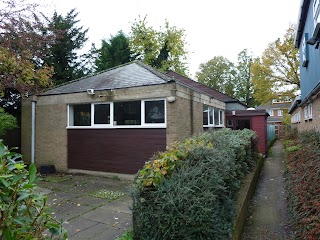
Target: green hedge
point(303, 184)
point(188, 192)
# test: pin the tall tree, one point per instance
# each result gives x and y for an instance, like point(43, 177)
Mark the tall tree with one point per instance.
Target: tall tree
point(244, 85)
point(113, 52)
point(164, 49)
point(62, 54)
point(23, 39)
point(276, 72)
point(218, 73)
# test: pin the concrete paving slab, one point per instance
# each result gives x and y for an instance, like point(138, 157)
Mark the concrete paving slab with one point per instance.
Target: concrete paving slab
point(89, 217)
point(106, 216)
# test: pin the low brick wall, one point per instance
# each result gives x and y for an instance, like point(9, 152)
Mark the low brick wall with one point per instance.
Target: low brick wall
point(245, 194)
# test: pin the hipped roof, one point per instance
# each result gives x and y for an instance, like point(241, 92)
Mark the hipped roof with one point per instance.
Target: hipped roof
point(133, 74)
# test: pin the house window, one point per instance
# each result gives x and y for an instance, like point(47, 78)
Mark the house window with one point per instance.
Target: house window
point(310, 111)
point(270, 111)
point(230, 123)
point(305, 57)
point(213, 117)
point(82, 115)
point(144, 113)
point(280, 113)
point(101, 113)
point(305, 110)
point(127, 113)
point(205, 115)
point(154, 111)
point(316, 12)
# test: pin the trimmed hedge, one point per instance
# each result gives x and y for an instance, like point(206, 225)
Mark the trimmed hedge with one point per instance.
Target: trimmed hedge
point(188, 191)
point(303, 184)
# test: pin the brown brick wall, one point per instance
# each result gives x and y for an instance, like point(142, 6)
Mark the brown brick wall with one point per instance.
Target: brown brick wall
point(313, 124)
point(184, 117)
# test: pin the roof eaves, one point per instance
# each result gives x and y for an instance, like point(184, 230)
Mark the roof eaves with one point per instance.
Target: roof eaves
point(304, 6)
point(104, 89)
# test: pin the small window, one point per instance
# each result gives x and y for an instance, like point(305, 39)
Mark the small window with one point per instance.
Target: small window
point(305, 110)
point(230, 123)
point(304, 48)
point(154, 111)
point(270, 112)
point(205, 115)
point(310, 111)
point(82, 115)
point(280, 113)
point(127, 113)
point(316, 11)
point(102, 114)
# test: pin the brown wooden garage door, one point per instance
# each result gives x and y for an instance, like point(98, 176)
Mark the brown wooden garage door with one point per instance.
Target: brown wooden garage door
point(113, 150)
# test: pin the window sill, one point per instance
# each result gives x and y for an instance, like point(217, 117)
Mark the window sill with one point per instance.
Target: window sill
point(117, 127)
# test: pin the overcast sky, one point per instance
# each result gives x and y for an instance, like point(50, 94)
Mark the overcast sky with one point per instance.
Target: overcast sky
point(213, 27)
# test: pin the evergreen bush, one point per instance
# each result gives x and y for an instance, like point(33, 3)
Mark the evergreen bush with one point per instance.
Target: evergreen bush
point(23, 210)
point(195, 199)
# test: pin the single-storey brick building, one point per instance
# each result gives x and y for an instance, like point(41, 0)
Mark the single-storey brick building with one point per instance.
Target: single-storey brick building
point(115, 120)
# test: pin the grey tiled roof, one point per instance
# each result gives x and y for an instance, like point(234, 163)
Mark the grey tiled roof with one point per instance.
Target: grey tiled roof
point(275, 106)
point(133, 74)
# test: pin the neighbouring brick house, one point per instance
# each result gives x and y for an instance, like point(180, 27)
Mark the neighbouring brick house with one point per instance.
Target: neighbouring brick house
point(276, 109)
point(115, 120)
point(305, 110)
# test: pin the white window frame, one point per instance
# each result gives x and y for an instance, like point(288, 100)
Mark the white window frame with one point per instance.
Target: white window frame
point(93, 111)
point(221, 120)
point(304, 51)
point(280, 113)
point(271, 113)
point(112, 125)
point(310, 111)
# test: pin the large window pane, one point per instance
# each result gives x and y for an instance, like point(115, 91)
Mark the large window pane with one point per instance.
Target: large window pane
point(82, 115)
point(102, 114)
point(211, 116)
point(205, 115)
point(127, 113)
point(216, 116)
point(154, 111)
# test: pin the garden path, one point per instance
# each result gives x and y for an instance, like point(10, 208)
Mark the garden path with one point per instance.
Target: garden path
point(268, 217)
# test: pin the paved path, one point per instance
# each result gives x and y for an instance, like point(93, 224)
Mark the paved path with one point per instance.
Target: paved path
point(267, 215)
point(88, 217)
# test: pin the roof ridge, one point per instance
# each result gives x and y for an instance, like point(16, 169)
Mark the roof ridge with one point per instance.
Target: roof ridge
point(155, 71)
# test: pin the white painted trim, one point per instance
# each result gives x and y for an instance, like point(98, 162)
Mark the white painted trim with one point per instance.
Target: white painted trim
point(112, 125)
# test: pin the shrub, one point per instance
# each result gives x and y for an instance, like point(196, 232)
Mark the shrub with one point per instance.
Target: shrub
point(23, 210)
point(195, 199)
point(303, 184)
point(7, 122)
